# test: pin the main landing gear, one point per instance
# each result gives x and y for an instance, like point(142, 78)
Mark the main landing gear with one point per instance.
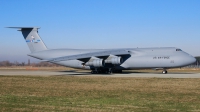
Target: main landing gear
point(109, 71)
point(98, 71)
point(105, 71)
point(94, 72)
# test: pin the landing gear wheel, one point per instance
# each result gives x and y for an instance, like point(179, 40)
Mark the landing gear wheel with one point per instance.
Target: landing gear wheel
point(94, 72)
point(164, 71)
point(109, 72)
point(117, 71)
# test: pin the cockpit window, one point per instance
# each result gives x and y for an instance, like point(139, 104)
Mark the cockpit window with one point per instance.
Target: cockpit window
point(178, 50)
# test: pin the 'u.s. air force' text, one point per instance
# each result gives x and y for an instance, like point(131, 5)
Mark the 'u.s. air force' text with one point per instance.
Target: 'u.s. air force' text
point(161, 57)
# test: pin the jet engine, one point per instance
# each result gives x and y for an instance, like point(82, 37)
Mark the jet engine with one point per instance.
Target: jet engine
point(114, 60)
point(96, 63)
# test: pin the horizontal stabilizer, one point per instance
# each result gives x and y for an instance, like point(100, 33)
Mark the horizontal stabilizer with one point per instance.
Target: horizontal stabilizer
point(23, 27)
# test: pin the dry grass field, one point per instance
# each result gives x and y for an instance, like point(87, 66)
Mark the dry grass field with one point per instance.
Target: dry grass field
point(99, 94)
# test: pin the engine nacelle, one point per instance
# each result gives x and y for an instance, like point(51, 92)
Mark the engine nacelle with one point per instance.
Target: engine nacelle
point(114, 60)
point(96, 63)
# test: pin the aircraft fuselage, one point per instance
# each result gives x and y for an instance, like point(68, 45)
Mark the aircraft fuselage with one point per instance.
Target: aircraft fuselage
point(139, 58)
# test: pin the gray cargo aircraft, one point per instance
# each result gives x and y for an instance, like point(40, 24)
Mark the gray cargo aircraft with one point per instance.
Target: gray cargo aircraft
point(106, 60)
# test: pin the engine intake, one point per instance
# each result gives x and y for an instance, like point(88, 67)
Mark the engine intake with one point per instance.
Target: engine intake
point(114, 60)
point(96, 63)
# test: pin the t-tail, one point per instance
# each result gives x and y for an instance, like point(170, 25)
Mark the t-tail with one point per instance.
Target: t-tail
point(32, 38)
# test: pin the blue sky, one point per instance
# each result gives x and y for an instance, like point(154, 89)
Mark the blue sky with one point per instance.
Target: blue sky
point(100, 24)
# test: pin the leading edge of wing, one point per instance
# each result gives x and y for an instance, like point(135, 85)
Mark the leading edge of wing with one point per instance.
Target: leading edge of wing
point(89, 55)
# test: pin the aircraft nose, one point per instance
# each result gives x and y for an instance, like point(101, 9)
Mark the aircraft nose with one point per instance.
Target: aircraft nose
point(191, 59)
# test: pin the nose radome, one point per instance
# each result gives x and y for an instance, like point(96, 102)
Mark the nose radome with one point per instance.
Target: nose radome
point(191, 59)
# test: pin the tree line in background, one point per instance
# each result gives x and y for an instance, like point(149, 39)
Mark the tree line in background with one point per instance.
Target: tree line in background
point(40, 64)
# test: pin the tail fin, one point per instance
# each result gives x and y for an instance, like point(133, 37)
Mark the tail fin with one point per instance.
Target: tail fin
point(32, 38)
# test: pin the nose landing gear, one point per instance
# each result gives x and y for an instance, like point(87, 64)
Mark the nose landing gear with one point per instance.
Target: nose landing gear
point(164, 71)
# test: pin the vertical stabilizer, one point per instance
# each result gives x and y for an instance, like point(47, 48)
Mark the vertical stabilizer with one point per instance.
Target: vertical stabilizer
point(32, 38)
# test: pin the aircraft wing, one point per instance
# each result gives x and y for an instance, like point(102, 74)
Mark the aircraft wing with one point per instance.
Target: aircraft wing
point(86, 56)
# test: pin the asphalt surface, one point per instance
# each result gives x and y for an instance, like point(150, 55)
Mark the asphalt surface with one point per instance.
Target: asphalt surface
point(75, 73)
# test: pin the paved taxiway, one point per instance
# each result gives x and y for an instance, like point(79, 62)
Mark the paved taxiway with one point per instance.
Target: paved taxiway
point(74, 73)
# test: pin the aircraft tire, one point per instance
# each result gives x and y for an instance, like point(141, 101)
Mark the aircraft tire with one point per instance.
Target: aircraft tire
point(93, 72)
point(110, 72)
point(164, 71)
